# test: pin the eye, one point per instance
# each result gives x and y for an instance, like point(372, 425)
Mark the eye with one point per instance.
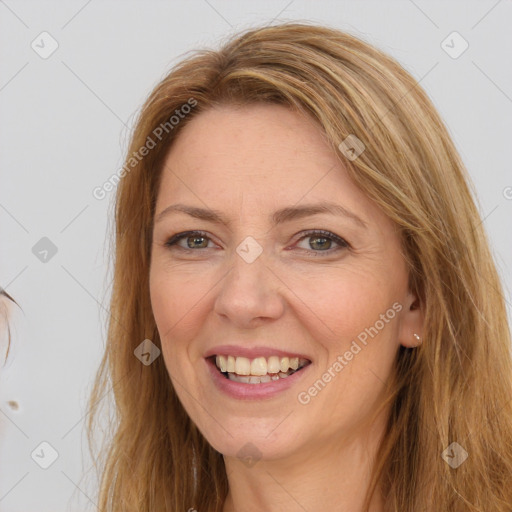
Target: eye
point(193, 240)
point(322, 241)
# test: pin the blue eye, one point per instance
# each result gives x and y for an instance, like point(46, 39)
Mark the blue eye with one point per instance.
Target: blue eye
point(320, 241)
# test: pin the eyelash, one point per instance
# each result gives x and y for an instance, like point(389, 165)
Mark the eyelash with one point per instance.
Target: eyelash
point(343, 244)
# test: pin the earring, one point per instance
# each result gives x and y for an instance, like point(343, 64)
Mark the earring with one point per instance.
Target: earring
point(418, 338)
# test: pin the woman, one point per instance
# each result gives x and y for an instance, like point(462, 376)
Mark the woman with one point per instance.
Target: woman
point(305, 312)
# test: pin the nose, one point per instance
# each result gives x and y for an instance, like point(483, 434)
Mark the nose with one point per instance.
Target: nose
point(249, 293)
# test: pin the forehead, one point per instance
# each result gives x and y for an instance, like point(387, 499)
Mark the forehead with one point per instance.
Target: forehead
point(249, 136)
point(261, 155)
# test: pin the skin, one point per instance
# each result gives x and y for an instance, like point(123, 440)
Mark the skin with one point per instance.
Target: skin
point(301, 295)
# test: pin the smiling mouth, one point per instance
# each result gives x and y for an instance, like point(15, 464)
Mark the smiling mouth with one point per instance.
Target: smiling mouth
point(259, 370)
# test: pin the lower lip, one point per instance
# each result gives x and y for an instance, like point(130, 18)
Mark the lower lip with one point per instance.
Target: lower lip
point(243, 391)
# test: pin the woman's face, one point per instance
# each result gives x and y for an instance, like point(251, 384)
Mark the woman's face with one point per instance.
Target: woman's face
point(261, 287)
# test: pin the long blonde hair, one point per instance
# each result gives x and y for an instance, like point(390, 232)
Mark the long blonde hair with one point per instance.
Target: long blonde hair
point(456, 387)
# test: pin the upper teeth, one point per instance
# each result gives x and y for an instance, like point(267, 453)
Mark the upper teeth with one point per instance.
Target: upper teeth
point(258, 366)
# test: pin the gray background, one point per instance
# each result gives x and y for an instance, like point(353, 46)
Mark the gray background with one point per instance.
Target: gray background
point(64, 124)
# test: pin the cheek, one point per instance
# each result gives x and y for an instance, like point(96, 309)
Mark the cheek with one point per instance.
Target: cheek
point(178, 301)
point(177, 296)
point(358, 310)
point(176, 304)
point(342, 303)
point(344, 314)
point(356, 325)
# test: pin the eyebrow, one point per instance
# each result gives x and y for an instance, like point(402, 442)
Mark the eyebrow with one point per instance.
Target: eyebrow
point(278, 217)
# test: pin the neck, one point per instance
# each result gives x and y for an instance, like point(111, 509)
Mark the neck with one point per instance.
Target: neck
point(330, 472)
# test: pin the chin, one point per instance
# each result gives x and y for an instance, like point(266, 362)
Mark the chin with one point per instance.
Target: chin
point(243, 438)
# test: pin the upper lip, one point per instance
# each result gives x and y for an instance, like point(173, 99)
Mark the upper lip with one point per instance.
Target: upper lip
point(252, 352)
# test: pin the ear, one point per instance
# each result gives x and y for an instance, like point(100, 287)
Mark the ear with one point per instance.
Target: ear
point(410, 333)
